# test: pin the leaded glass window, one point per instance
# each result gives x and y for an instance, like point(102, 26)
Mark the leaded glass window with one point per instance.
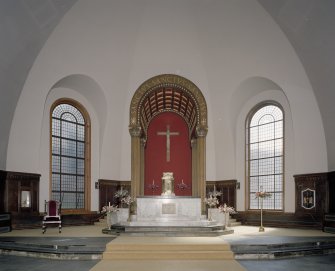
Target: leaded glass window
point(68, 156)
point(265, 156)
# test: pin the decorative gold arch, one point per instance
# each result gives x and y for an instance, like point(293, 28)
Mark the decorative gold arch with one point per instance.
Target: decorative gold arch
point(162, 93)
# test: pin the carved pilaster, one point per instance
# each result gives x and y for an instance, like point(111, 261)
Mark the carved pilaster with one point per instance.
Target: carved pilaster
point(195, 189)
point(141, 188)
point(201, 166)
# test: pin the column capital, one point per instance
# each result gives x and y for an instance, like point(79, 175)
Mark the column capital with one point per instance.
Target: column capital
point(201, 131)
point(135, 131)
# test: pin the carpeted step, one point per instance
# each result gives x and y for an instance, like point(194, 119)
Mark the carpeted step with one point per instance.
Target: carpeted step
point(168, 248)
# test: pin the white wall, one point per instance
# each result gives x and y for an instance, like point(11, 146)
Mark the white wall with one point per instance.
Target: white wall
point(120, 44)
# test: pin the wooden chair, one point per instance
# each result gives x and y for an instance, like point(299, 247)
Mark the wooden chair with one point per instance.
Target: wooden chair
point(52, 215)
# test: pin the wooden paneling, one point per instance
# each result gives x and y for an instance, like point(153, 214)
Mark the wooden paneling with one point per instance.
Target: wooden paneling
point(11, 186)
point(331, 189)
point(278, 219)
point(317, 182)
point(227, 188)
point(107, 189)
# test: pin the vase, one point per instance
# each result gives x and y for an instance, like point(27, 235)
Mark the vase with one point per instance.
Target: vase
point(226, 219)
point(261, 228)
point(210, 215)
point(129, 215)
point(109, 220)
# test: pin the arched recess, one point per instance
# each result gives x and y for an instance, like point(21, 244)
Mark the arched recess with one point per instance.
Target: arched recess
point(168, 93)
point(92, 91)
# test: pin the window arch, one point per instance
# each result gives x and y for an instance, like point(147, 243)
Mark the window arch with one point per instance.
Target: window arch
point(265, 156)
point(70, 153)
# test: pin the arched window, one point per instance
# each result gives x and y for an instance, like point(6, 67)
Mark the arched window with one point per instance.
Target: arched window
point(69, 153)
point(265, 156)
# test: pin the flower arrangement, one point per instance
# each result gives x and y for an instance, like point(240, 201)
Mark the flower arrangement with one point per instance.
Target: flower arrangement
point(211, 201)
point(215, 193)
point(262, 194)
point(127, 200)
point(109, 209)
point(121, 193)
point(226, 209)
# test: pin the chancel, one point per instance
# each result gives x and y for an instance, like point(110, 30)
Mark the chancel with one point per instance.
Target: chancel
point(172, 101)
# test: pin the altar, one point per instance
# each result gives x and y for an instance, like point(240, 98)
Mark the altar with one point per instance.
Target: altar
point(168, 208)
point(168, 211)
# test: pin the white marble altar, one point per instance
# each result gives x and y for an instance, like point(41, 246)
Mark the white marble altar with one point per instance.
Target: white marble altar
point(168, 208)
point(169, 211)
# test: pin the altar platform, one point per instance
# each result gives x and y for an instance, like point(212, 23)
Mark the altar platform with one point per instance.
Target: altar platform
point(168, 216)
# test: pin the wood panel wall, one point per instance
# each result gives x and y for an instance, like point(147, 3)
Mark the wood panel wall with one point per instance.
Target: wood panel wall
point(12, 184)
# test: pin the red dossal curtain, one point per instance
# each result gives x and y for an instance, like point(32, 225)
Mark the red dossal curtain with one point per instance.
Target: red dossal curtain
point(156, 154)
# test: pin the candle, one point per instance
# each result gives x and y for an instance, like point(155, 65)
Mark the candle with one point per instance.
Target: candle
point(182, 181)
point(109, 204)
point(153, 182)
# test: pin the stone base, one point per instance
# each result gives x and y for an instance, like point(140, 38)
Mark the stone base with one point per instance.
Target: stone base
point(152, 230)
point(173, 223)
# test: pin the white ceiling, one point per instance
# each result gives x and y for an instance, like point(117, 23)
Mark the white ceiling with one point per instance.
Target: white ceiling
point(25, 25)
point(310, 27)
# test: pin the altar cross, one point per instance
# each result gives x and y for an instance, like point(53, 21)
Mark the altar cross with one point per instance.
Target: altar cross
point(168, 134)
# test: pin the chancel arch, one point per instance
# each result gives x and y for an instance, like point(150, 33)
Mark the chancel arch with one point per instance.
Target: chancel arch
point(177, 95)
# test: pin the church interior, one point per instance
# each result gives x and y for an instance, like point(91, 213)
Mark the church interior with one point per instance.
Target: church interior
point(176, 103)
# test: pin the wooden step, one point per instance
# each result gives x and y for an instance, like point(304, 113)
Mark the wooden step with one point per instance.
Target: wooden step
point(168, 248)
point(233, 222)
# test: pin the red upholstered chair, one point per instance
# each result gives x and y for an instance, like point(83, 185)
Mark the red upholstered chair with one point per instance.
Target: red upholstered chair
point(52, 215)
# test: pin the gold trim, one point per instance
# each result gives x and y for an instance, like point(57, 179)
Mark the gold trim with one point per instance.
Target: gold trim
point(137, 131)
point(165, 80)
